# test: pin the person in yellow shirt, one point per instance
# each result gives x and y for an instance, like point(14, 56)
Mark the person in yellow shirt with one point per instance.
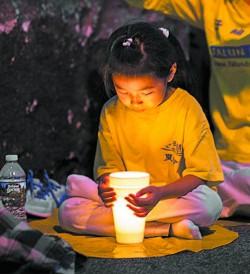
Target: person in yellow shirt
point(227, 28)
point(152, 124)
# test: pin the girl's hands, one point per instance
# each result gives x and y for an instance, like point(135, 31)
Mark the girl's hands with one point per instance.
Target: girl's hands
point(106, 192)
point(143, 205)
point(140, 205)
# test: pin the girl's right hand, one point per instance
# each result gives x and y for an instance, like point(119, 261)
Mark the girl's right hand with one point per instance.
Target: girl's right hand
point(106, 192)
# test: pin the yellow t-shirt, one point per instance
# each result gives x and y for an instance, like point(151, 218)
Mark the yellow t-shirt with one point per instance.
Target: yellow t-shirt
point(169, 141)
point(227, 28)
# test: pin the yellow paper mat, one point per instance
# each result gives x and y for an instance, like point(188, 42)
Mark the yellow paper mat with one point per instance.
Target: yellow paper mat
point(106, 247)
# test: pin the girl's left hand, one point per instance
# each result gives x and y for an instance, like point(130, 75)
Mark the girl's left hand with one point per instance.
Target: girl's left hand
point(143, 205)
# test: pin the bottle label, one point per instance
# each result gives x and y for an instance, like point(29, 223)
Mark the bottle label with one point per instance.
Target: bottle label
point(13, 194)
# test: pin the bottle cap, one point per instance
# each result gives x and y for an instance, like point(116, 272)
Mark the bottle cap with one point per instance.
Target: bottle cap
point(11, 157)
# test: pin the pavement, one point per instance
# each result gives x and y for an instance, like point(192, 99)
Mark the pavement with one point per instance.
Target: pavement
point(228, 259)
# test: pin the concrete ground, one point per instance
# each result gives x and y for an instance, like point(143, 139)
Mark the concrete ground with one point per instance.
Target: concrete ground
point(231, 258)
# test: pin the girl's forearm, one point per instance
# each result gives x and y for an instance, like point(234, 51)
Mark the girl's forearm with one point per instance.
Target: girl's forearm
point(180, 187)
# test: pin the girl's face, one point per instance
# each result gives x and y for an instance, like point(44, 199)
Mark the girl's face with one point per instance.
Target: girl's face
point(140, 93)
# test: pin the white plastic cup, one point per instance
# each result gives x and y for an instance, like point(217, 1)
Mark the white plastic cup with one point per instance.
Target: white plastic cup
point(128, 227)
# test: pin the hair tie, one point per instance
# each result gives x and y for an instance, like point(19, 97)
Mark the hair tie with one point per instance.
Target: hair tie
point(127, 42)
point(165, 32)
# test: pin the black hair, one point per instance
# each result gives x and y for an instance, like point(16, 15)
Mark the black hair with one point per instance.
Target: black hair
point(142, 48)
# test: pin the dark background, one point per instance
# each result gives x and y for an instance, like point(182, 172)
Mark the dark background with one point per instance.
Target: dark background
point(51, 91)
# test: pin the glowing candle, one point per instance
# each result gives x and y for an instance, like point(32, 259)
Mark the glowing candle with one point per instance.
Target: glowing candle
point(129, 228)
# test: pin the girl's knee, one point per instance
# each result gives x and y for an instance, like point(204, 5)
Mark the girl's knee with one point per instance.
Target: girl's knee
point(210, 206)
point(71, 178)
point(76, 178)
point(82, 186)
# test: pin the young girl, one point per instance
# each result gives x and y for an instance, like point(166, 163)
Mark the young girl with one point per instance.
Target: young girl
point(151, 124)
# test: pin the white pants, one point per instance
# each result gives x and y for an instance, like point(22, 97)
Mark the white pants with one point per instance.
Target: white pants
point(235, 190)
point(85, 213)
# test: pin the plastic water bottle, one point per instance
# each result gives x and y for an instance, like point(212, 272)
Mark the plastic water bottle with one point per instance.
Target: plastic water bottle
point(13, 187)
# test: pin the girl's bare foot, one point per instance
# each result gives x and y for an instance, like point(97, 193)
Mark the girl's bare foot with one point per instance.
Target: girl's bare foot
point(185, 229)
